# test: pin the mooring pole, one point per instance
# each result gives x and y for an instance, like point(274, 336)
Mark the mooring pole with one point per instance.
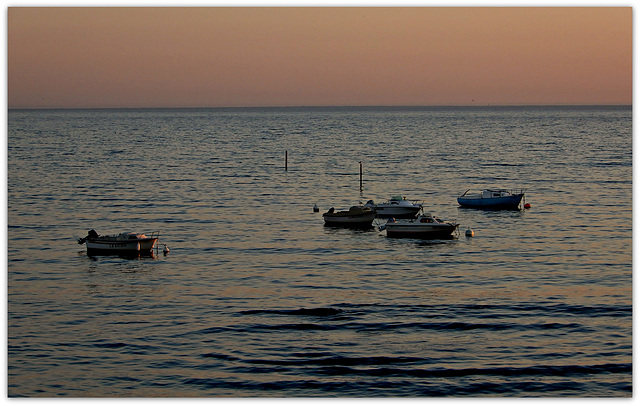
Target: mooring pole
point(286, 160)
point(361, 176)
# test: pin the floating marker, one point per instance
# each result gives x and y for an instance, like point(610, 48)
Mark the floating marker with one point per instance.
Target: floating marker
point(527, 206)
point(316, 208)
point(469, 232)
point(165, 250)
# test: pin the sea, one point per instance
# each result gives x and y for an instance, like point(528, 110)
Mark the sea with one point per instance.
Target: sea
point(257, 298)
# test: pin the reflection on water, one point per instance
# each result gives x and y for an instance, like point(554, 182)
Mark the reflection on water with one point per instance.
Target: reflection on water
point(258, 298)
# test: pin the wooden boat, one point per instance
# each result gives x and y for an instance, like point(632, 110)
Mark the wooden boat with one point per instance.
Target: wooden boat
point(356, 216)
point(492, 199)
point(424, 226)
point(120, 243)
point(397, 207)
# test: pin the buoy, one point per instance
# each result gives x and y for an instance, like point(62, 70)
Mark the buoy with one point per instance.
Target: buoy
point(165, 250)
point(469, 232)
point(527, 206)
point(316, 208)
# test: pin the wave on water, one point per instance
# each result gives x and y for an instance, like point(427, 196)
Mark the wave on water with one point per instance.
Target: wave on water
point(321, 311)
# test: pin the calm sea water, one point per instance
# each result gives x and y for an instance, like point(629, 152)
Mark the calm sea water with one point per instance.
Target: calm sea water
point(257, 298)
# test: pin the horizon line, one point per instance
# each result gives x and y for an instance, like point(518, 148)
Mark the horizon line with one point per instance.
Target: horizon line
point(381, 106)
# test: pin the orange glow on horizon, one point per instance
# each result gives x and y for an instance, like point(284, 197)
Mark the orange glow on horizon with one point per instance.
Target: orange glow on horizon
point(218, 57)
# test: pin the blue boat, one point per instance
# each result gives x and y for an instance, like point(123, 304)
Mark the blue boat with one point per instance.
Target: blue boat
point(492, 199)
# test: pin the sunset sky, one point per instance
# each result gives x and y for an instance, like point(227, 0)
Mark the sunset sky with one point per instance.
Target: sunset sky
point(255, 56)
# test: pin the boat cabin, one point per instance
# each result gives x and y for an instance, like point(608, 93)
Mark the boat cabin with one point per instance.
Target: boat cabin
point(488, 194)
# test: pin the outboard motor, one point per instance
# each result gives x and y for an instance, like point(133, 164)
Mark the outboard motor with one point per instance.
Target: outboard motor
point(90, 235)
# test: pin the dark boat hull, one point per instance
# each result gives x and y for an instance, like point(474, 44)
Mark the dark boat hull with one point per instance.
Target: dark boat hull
point(439, 232)
point(121, 254)
point(511, 202)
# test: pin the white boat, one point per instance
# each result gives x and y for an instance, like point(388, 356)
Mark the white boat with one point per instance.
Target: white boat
point(492, 199)
point(120, 243)
point(356, 216)
point(397, 207)
point(424, 226)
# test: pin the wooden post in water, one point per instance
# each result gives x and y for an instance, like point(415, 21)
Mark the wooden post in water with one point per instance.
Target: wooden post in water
point(286, 160)
point(361, 176)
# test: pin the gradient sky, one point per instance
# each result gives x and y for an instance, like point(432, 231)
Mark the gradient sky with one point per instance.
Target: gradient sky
point(221, 57)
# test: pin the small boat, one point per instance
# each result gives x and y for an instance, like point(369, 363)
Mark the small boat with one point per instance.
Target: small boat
point(494, 199)
point(397, 207)
point(356, 216)
point(424, 226)
point(120, 243)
